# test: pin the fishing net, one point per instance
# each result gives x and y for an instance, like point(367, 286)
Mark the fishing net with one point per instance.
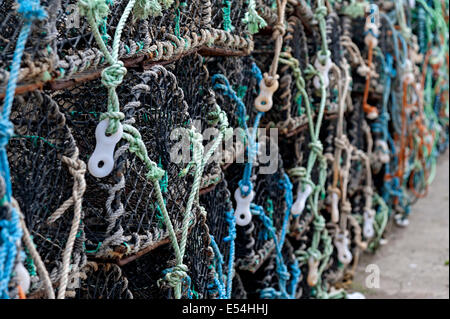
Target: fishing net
point(39, 50)
point(121, 217)
point(46, 173)
point(103, 281)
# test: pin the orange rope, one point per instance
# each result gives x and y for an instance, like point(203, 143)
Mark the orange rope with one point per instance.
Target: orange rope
point(401, 157)
point(421, 156)
point(444, 10)
point(21, 293)
point(424, 68)
point(366, 107)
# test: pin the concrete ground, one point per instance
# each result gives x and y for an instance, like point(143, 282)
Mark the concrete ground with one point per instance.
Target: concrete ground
point(414, 263)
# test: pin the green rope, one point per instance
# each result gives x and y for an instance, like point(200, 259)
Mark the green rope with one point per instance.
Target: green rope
point(252, 18)
point(226, 10)
point(381, 219)
point(177, 23)
point(269, 208)
point(31, 267)
point(320, 14)
point(355, 9)
point(35, 138)
point(111, 78)
point(320, 233)
point(175, 277)
point(287, 59)
point(146, 8)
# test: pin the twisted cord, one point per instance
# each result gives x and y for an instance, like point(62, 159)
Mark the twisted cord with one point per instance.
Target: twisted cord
point(31, 11)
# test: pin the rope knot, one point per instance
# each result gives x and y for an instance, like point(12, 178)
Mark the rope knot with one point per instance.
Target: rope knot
point(114, 120)
point(341, 143)
point(98, 8)
point(316, 147)
point(270, 293)
point(314, 253)
point(31, 10)
point(279, 30)
point(346, 207)
point(112, 116)
point(319, 223)
point(297, 172)
point(335, 190)
point(223, 122)
point(155, 173)
point(321, 12)
point(368, 191)
point(310, 71)
point(174, 276)
point(76, 166)
point(112, 76)
point(284, 274)
point(213, 117)
point(246, 187)
point(197, 151)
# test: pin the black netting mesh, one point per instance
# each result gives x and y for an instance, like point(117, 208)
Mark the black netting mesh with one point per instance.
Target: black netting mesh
point(42, 179)
point(115, 218)
point(107, 238)
point(104, 281)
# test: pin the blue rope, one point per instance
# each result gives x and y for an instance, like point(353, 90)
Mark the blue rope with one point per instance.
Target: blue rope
point(252, 150)
point(401, 59)
point(10, 231)
point(271, 293)
point(295, 272)
point(10, 234)
point(228, 91)
point(224, 290)
point(256, 72)
point(245, 183)
point(285, 183)
point(30, 11)
point(231, 220)
point(218, 279)
point(391, 188)
point(283, 273)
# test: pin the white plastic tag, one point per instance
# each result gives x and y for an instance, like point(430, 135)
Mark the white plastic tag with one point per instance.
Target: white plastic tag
point(242, 214)
point(299, 205)
point(342, 243)
point(101, 162)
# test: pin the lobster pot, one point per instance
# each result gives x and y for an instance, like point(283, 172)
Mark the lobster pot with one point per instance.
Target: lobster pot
point(62, 45)
point(122, 215)
point(194, 79)
point(46, 172)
